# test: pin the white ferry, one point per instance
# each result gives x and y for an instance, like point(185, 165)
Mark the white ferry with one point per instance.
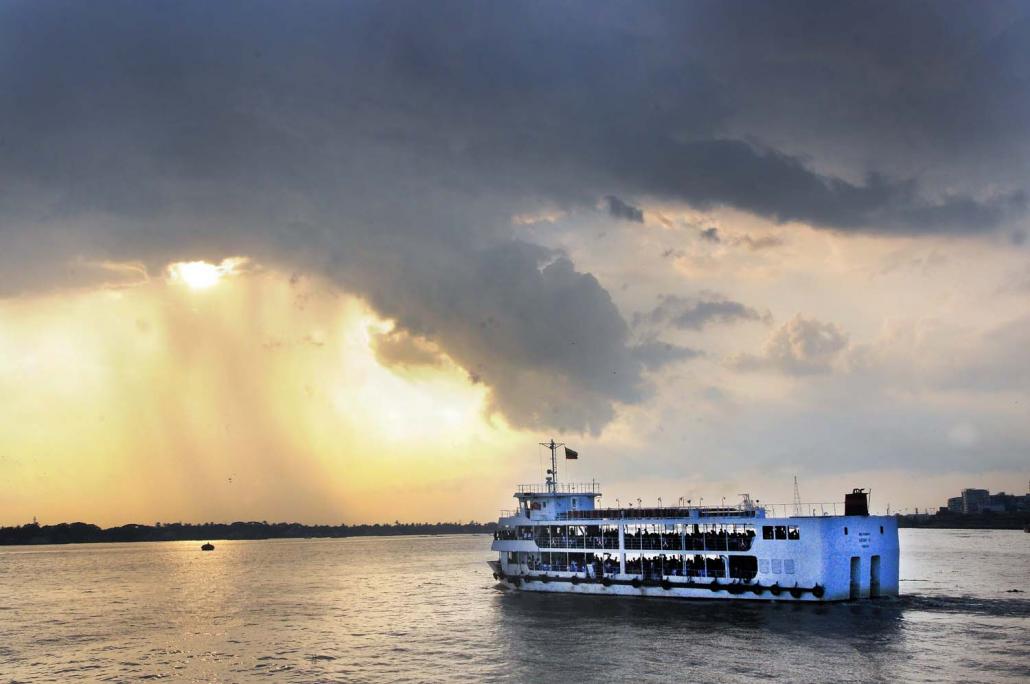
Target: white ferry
point(559, 540)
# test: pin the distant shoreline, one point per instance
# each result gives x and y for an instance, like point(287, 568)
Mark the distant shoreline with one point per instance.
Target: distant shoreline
point(964, 522)
point(85, 533)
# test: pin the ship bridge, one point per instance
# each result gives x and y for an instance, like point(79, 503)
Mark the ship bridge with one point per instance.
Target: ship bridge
point(552, 500)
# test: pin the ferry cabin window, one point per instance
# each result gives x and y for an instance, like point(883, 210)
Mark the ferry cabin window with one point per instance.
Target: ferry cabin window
point(881, 529)
point(781, 532)
point(788, 566)
point(767, 532)
point(793, 533)
point(845, 530)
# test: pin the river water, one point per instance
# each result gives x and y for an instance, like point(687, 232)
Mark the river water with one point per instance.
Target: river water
point(426, 609)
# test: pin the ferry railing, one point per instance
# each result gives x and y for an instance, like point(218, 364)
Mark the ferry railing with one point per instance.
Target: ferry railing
point(803, 510)
point(648, 541)
point(775, 510)
point(702, 541)
point(576, 541)
point(659, 513)
point(560, 488)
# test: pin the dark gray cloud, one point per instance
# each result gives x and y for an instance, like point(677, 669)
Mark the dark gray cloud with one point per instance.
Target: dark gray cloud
point(656, 354)
point(781, 187)
point(621, 210)
point(697, 311)
point(711, 235)
point(387, 145)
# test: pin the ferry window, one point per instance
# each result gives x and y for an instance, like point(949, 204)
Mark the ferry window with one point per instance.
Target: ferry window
point(881, 529)
point(763, 565)
point(781, 532)
point(767, 532)
point(777, 565)
point(845, 530)
point(793, 533)
point(788, 566)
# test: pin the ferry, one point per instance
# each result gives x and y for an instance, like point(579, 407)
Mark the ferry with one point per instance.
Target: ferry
point(560, 540)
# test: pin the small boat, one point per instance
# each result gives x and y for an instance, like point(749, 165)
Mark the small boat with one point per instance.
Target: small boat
point(208, 546)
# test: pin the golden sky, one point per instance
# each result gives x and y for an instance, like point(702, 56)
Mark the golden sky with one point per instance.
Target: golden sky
point(352, 262)
point(238, 396)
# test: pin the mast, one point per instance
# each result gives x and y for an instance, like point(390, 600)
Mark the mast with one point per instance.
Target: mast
point(552, 474)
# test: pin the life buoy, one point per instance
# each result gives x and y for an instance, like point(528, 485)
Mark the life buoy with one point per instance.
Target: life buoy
point(714, 586)
point(606, 581)
point(636, 582)
point(775, 589)
point(496, 576)
point(735, 589)
point(666, 585)
point(818, 591)
point(545, 579)
point(796, 591)
point(757, 589)
point(575, 579)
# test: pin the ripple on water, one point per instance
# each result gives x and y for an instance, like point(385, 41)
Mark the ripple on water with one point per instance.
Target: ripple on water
point(425, 609)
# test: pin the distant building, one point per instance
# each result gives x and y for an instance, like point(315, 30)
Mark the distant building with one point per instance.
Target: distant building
point(973, 500)
point(978, 501)
point(1007, 503)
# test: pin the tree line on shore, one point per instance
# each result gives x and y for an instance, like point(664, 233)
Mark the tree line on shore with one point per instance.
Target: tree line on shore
point(79, 532)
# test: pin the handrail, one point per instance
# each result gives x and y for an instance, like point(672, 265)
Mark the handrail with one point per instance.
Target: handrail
point(808, 509)
point(560, 488)
point(660, 513)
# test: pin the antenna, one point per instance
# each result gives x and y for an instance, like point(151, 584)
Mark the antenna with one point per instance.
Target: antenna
point(797, 498)
point(552, 474)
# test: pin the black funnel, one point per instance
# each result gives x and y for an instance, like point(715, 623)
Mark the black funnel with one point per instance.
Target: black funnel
point(856, 503)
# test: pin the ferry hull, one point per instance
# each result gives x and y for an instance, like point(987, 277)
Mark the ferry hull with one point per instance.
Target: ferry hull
point(658, 592)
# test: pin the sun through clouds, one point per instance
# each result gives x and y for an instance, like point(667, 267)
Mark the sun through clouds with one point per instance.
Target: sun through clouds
point(201, 275)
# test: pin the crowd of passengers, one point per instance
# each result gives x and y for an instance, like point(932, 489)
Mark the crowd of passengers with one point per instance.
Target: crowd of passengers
point(648, 568)
point(596, 568)
point(698, 566)
point(695, 541)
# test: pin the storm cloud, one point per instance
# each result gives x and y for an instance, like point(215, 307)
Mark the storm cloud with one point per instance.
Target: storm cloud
point(386, 146)
point(621, 210)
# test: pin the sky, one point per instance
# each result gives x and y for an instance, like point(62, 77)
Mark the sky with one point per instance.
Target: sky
point(351, 262)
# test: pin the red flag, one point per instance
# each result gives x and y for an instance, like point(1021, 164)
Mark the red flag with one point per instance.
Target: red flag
point(570, 454)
